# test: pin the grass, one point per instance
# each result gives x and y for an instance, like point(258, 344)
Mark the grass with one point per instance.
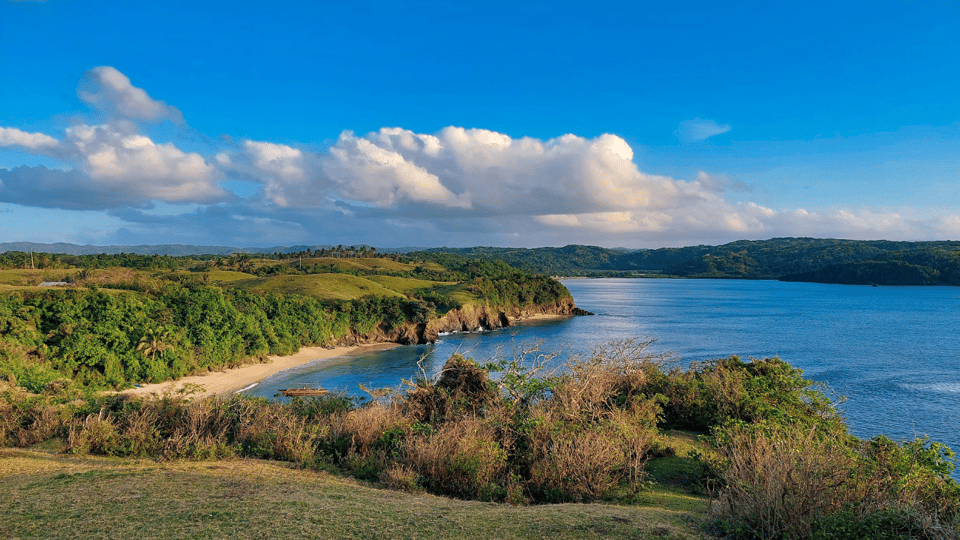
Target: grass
point(323, 286)
point(373, 264)
point(328, 286)
point(457, 293)
point(406, 285)
point(226, 276)
point(48, 494)
point(676, 476)
point(32, 278)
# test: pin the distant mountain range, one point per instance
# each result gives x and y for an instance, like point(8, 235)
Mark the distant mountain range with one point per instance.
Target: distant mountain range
point(877, 262)
point(166, 249)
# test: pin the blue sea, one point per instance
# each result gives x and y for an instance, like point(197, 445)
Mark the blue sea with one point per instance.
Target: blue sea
point(893, 353)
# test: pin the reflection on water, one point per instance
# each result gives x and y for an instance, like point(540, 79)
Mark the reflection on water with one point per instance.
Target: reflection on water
point(893, 352)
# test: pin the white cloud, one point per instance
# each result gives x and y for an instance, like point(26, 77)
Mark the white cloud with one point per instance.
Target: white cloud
point(455, 186)
point(117, 161)
point(111, 93)
point(368, 172)
point(610, 222)
point(282, 169)
point(29, 141)
point(485, 173)
point(119, 166)
point(134, 163)
point(699, 129)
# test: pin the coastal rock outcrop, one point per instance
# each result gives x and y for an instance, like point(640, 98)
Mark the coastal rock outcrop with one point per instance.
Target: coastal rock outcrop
point(468, 318)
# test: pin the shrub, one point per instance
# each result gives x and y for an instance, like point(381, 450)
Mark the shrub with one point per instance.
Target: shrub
point(782, 481)
point(463, 387)
point(715, 392)
point(462, 458)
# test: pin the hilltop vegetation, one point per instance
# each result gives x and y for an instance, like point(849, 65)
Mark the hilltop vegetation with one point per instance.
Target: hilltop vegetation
point(125, 319)
point(791, 259)
point(619, 427)
point(758, 441)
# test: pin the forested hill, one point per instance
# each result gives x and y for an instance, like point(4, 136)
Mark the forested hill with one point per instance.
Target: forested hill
point(793, 259)
point(173, 250)
point(105, 320)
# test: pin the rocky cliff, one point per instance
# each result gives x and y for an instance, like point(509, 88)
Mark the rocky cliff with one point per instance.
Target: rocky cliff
point(469, 318)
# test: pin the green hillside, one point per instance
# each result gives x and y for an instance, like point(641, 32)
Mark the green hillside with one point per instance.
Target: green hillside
point(794, 259)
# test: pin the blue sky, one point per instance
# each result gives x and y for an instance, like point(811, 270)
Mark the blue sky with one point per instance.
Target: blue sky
point(636, 124)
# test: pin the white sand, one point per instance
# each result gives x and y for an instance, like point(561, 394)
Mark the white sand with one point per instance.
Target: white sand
point(231, 380)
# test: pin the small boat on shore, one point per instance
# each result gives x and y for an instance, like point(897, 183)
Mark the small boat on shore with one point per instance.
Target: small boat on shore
point(302, 391)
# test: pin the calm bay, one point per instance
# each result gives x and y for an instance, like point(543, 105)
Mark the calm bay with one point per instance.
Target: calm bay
point(893, 352)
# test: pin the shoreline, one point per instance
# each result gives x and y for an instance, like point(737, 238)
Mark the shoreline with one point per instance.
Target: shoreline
point(227, 381)
point(231, 380)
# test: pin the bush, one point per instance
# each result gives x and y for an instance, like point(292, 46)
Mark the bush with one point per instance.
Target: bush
point(462, 458)
point(715, 392)
point(782, 481)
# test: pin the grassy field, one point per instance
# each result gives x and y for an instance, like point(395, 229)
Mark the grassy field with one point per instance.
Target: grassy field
point(52, 495)
point(329, 286)
point(407, 285)
point(226, 277)
point(333, 286)
point(365, 265)
point(324, 286)
point(32, 278)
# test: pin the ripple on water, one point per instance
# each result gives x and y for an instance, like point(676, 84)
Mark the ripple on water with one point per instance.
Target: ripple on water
point(938, 387)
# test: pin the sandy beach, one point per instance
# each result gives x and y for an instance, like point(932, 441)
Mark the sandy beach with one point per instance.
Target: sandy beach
point(231, 380)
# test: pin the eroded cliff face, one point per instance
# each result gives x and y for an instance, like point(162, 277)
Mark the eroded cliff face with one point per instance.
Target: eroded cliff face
point(469, 318)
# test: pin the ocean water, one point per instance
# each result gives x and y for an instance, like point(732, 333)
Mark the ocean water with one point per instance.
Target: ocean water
point(892, 352)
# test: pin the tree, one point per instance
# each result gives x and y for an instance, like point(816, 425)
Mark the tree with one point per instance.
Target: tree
point(153, 343)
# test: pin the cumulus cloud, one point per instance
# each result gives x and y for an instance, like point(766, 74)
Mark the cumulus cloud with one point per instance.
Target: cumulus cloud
point(53, 188)
point(112, 163)
point(456, 186)
point(479, 172)
point(134, 163)
point(36, 142)
point(127, 165)
point(110, 92)
point(699, 129)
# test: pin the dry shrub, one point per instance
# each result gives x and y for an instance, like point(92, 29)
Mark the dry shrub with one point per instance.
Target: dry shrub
point(366, 425)
point(141, 431)
point(9, 423)
point(95, 434)
point(272, 431)
point(586, 461)
point(594, 431)
point(463, 387)
point(201, 429)
point(779, 480)
point(461, 376)
point(783, 481)
point(44, 423)
point(612, 378)
point(461, 458)
point(401, 478)
point(220, 427)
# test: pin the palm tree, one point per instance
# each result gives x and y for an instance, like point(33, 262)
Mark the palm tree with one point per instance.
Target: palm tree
point(153, 343)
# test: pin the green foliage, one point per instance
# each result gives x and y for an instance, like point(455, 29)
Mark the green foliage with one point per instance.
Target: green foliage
point(103, 338)
point(882, 525)
point(717, 392)
point(781, 466)
point(794, 259)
